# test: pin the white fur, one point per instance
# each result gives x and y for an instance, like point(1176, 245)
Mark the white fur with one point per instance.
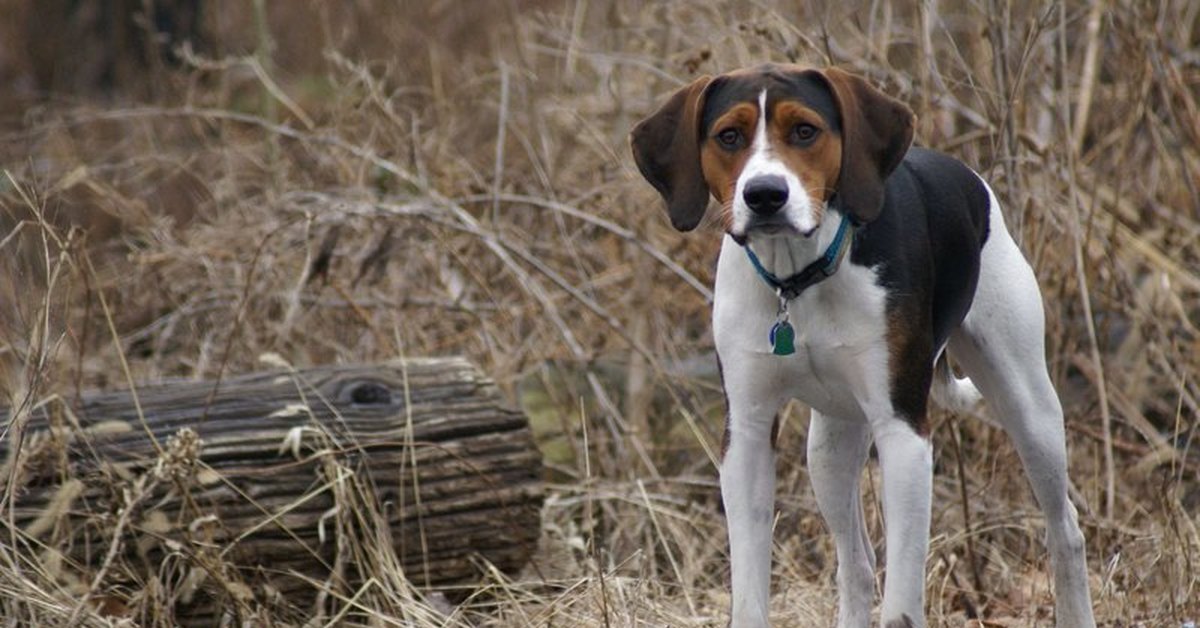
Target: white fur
point(956, 394)
point(840, 369)
point(1001, 346)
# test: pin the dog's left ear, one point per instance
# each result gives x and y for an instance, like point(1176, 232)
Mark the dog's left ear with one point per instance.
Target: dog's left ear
point(666, 147)
point(876, 133)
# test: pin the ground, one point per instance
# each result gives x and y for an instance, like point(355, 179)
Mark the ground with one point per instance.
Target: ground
point(360, 181)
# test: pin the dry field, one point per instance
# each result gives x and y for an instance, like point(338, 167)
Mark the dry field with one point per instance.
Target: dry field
point(356, 181)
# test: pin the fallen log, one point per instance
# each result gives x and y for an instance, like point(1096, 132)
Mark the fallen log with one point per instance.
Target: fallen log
point(284, 491)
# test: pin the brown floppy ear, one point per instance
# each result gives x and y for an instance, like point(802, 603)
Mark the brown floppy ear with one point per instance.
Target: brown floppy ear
point(876, 133)
point(666, 147)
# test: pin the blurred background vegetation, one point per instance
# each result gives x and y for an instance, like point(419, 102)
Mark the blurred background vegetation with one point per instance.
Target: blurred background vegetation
point(190, 184)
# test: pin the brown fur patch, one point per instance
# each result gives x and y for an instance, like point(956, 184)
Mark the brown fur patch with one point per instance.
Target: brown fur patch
point(722, 167)
point(817, 164)
point(910, 365)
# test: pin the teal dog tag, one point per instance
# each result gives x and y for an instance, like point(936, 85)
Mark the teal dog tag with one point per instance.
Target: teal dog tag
point(783, 338)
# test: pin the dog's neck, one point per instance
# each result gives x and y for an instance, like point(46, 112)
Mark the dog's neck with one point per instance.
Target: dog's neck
point(786, 255)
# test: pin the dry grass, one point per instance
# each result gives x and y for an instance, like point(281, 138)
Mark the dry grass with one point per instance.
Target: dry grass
point(346, 199)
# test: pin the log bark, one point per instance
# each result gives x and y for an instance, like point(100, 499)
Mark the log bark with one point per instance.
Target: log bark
point(272, 487)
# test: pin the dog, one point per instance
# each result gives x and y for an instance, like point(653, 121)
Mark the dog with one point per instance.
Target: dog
point(852, 262)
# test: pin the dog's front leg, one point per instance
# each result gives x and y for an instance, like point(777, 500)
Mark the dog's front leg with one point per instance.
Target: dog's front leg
point(906, 459)
point(837, 451)
point(748, 491)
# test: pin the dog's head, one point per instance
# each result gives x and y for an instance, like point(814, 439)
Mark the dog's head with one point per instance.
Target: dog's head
point(773, 144)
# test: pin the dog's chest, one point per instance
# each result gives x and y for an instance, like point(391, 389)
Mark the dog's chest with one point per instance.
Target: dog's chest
point(840, 337)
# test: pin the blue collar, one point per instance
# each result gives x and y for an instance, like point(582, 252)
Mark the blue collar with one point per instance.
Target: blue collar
point(825, 266)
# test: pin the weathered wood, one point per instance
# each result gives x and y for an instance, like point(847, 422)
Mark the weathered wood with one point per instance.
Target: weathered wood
point(281, 476)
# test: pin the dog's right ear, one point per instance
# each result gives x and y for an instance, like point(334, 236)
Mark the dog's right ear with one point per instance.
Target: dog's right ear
point(666, 147)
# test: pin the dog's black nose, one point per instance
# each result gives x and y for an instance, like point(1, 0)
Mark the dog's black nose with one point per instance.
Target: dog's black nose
point(765, 194)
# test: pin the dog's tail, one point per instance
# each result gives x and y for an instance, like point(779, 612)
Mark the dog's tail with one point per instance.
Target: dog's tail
point(956, 394)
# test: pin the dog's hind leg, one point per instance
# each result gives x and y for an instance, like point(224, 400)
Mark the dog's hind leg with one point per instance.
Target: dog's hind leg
point(837, 451)
point(1001, 346)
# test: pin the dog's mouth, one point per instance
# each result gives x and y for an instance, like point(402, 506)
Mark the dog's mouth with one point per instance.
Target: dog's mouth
point(770, 228)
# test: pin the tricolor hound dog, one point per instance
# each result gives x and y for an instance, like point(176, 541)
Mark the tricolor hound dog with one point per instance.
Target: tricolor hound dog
point(810, 167)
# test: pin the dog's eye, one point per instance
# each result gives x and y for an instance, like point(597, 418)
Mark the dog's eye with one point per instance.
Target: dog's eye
point(729, 138)
point(804, 133)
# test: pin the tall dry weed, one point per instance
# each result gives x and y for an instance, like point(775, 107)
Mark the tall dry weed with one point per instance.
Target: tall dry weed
point(353, 182)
